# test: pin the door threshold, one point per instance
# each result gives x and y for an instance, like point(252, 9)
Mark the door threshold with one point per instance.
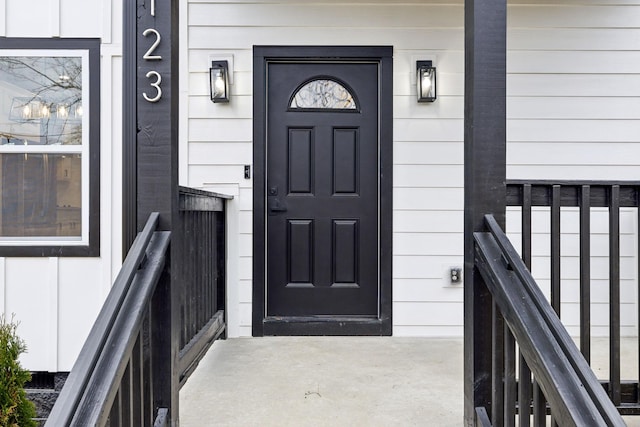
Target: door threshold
point(326, 325)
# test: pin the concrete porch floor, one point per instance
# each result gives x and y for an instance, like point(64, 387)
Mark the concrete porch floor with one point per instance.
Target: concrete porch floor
point(326, 381)
point(342, 381)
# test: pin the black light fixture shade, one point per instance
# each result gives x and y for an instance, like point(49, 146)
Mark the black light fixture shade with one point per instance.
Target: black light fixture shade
point(219, 81)
point(426, 81)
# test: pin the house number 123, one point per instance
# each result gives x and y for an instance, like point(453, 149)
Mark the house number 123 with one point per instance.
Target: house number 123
point(154, 77)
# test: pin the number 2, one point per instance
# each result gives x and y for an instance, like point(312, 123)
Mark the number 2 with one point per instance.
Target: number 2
point(155, 85)
point(149, 54)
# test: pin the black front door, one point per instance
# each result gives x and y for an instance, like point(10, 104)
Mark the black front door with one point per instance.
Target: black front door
point(322, 189)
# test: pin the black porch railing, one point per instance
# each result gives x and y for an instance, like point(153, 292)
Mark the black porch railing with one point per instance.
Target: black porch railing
point(123, 375)
point(201, 239)
point(588, 198)
point(523, 316)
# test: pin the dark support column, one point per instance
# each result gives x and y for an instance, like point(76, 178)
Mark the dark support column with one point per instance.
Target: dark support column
point(157, 171)
point(157, 121)
point(484, 180)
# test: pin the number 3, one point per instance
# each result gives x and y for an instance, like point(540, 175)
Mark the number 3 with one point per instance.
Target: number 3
point(155, 85)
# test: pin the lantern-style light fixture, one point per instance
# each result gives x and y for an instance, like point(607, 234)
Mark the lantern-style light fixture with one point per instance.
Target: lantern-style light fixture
point(219, 81)
point(426, 81)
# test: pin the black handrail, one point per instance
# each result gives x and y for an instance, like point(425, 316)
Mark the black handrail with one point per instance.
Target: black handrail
point(93, 349)
point(575, 395)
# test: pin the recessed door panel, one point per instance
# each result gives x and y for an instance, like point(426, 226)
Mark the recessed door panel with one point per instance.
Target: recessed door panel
point(300, 250)
point(345, 252)
point(345, 161)
point(300, 161)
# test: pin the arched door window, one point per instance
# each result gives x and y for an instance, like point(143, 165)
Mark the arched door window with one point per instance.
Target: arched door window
point(323, 93)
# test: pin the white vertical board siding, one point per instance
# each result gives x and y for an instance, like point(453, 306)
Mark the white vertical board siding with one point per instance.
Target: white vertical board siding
point(30, 288)
point(574, 94)
point(56, 300)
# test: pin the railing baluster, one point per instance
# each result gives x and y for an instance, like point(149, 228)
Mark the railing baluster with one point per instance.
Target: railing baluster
point(555, 248)
point(497, 404)
point(510, 389)
point(200, 283)
point(126, 398)
point(525, 386)
point(585, 272)
point(147, 372)
point(638, 274)
point(524, 393)
point(614, 293)
point(539, 402)
point(539, 406)
point(137, 383)
point(526, 225)
point(214, 263)
point(206, 282)
point(221, 256)
point(115, 416)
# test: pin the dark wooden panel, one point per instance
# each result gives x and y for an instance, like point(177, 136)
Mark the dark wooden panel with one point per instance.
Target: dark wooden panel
point(300, 251)
point(300, 161)
point(345, 161)
point(345, 251)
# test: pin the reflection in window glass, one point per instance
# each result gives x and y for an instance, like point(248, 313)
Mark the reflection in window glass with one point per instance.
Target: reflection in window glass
point(40, 195)
point(42, 146)
point(41, 100)
point(323, 94)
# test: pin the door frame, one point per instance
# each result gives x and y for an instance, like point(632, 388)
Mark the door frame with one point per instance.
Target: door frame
point(261, 325)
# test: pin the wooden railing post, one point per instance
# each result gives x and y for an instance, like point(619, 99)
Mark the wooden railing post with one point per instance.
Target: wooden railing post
point(484, 182)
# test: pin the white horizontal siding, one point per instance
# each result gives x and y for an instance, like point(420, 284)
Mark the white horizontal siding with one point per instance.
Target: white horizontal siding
point(574, 93)
point(337, 15)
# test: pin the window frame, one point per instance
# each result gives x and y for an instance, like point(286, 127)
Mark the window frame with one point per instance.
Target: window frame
point(89, 245)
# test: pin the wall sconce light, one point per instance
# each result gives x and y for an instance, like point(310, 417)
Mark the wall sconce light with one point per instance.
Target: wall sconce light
point(426, 81)
point(219, 81)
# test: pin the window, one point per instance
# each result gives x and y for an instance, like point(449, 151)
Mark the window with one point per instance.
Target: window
point(49, 147)
point(323, 94)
